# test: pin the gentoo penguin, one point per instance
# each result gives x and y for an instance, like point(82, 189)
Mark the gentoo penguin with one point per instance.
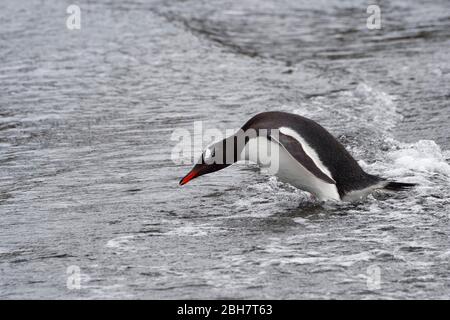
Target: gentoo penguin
point(298, 151)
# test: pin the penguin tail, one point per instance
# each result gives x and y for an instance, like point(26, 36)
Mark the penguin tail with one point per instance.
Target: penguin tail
point(398, 186)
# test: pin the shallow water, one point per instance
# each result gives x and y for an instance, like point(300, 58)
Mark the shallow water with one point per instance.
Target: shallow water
point(87, 179)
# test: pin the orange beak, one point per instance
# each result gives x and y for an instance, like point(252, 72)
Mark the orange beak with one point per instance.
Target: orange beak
point(191, 175)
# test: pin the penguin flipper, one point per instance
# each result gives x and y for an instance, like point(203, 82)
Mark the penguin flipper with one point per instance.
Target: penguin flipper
point(295, 149)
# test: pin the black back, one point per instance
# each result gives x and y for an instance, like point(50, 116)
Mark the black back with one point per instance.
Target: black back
point(343, 167)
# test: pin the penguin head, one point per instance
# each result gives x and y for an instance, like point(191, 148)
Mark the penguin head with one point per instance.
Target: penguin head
point(213, 158)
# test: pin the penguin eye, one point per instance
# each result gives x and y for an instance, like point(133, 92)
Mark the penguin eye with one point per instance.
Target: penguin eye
point(209, 154)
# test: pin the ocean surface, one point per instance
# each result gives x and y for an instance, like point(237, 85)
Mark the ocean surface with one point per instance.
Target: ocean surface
point(90, 205)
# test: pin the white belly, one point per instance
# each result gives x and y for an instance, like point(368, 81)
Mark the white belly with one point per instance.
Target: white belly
point(281, 164)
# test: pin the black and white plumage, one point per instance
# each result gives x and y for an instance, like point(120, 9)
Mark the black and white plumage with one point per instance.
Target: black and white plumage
point(308, 157)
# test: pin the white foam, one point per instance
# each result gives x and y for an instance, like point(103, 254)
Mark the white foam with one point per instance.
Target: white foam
point(192, 230)
point(262, 197)
point(121, 242)
point(299, 220)
point(362, 106)
point(420, 162)
point(445, 255)
point(424, 156)
point(378, 107)
point(344, 260)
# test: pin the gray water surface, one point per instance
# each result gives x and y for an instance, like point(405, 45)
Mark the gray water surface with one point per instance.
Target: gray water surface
point(86, 168)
